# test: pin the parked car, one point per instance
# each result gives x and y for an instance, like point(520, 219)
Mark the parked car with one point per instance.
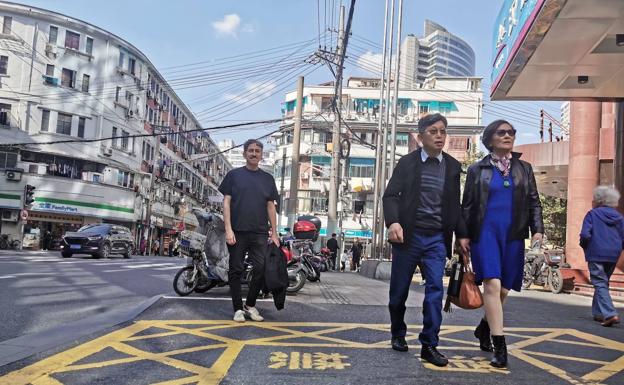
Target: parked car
point(99, 240)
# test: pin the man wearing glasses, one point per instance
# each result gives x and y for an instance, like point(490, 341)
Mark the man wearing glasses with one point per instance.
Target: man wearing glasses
point(422, 210)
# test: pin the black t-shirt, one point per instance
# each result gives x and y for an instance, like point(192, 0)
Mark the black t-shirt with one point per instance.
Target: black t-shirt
point(250, 192)
point(332, 244)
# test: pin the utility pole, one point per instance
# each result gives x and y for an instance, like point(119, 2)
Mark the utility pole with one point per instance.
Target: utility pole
point(542, 125)
point(294, 171)
point(396, 93)
point(343, 168)
point(335, 163)
point(152, 197)
point(384, 154)
point(377, 190)
point(550, 130)
point(279, 216)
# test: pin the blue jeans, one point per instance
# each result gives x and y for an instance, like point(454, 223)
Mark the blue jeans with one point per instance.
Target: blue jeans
point(431, 252)
point(600, 273)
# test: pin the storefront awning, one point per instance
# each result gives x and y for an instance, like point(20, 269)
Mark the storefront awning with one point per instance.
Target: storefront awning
point(559, 50)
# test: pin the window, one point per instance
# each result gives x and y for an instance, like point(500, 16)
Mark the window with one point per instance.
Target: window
point(85, 83)
point(5, 114)
point(4, 65)
point(81, 127)
point(129, 99)
point(8, 159)
point(68, 78)
point(114, 141)
point(402, 140)
point(72, 40)
point(124, 139)
point(53, 35)
point(423, 109)
point(117, 92)
point(49, 70)
point(131, 65)
point(45, 120)
point(63, 124)
point(125, 179)
point(122, 57)
point(6, 26)
point(89, 46)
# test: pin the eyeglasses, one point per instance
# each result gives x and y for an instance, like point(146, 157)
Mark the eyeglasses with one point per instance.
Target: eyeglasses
point(436, 132)
point(501, 133)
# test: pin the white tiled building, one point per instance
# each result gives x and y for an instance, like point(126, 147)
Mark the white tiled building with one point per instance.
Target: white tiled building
point(62, 78)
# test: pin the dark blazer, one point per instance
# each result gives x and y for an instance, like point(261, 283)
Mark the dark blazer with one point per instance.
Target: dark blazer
point(402, 197)
point(527, 209)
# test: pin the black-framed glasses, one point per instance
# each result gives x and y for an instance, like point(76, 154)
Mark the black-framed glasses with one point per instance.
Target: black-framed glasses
point(501, 133)
point(436, 132)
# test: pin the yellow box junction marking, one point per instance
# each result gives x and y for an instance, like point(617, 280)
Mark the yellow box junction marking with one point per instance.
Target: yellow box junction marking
point(290, 335)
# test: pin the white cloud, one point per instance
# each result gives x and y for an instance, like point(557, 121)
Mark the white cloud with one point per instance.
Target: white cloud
point(372, 62)
point(253, 91)
point(228, 26)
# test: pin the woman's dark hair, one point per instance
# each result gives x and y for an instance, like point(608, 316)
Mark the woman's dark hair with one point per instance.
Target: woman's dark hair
point(490, 130)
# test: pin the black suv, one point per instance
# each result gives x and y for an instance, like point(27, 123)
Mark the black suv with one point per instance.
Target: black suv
point(100, 240)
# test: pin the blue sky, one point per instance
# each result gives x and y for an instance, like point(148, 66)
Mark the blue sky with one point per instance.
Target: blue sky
point(192, 31)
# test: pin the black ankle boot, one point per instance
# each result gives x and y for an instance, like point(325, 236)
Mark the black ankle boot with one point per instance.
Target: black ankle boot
point(482, 332)
point(500, 352)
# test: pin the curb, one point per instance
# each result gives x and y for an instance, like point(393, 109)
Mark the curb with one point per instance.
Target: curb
point(22, 347)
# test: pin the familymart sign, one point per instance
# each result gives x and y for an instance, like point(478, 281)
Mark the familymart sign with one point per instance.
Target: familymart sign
point(75, 207)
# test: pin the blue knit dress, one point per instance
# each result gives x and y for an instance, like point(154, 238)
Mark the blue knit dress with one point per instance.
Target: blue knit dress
point(494, 255)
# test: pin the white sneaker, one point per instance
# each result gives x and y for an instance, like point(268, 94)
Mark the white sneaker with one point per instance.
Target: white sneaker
point(239, 316)
point(253, 313)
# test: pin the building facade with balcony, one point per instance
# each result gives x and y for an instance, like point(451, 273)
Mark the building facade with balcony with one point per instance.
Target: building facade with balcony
point(65, 79)
point(457, 98)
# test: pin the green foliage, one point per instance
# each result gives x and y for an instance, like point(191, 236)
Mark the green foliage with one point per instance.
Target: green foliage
point(474, 155)
point(555, 219)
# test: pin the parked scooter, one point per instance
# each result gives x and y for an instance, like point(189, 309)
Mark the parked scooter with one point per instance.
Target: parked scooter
point(542, 267)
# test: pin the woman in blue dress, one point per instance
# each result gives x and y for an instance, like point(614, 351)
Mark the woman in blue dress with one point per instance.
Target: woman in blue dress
point(500, 205)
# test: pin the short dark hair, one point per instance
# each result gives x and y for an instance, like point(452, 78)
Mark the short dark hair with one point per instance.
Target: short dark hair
point(333, 235)
point(430, 119)
point(249, 142)
point(490, 130)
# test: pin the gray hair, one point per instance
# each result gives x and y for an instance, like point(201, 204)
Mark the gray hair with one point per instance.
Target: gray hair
point(606, 196)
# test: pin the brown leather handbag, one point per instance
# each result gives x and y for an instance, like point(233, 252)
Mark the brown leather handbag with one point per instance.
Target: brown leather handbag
point(469, 295)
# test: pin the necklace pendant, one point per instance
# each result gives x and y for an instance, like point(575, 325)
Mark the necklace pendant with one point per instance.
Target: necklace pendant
point(506, 183)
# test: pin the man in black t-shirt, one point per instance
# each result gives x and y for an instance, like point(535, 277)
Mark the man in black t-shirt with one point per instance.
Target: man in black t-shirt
point(248, 208)
point(332, 245)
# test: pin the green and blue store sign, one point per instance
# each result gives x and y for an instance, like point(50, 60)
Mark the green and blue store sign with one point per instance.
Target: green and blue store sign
point(75, 207)
point(512, 25)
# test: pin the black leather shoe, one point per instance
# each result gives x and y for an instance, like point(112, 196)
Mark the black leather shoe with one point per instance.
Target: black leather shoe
point(432, 355)
point(482, 332)
point(500, 352)
point(399, 344)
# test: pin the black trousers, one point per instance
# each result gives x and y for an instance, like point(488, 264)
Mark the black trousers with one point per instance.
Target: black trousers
point(333, 260)
point(257, 247)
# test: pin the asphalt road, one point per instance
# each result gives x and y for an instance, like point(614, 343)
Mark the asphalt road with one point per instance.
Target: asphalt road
point(333, 332)
point(42, 290)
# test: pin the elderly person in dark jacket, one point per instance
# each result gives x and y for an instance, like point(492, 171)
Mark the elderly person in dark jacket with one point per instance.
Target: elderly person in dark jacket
point(500, 205)
point(602, 237)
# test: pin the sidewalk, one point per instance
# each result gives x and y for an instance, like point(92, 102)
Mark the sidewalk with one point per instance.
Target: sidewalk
point(332, 332)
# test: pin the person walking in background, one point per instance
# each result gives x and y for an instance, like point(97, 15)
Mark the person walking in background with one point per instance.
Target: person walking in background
point(47, 240)
point(356, 254)
point(248, 207)
point(500, 205)
point(156, 247)
point(422, 211)
point(602, 238)
point(332, 245)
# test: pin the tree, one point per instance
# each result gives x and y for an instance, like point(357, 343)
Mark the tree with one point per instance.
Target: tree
point(554, 214)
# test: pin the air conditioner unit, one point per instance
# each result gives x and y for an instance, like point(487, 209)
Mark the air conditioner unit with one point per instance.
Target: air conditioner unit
point(50, 80)
point(408, 118)
point(130, 113)
point(107, 151)
point(157, 100)
point(51, 49)
point(10, 215)
point(13, 175)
